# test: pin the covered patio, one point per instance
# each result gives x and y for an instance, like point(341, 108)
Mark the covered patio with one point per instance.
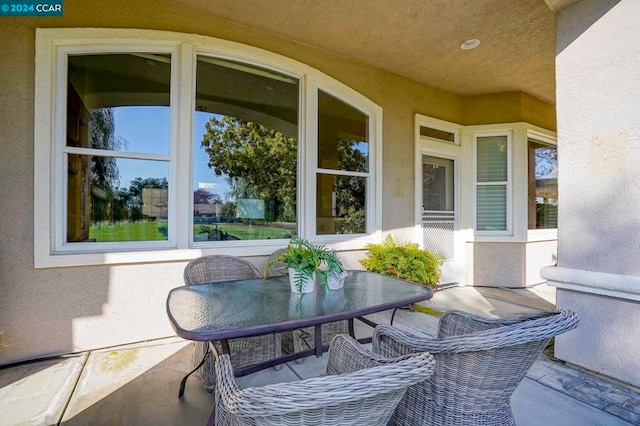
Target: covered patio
point(139, 136)
point(138, 383)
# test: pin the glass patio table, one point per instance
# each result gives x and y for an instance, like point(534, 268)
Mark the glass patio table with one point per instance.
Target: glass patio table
point(227, 310)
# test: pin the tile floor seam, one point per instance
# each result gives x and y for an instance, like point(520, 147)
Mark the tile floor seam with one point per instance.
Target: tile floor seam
point(577, 399)
point(294, 371)
point(73, 391)
point(505, 300)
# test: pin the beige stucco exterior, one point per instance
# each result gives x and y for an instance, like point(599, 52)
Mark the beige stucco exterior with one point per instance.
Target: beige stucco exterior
point(598, 99)
point(509, 264)
point(60, 310)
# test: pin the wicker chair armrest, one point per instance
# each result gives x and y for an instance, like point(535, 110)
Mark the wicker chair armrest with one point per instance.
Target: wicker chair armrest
point(319, 392)
point(455, 323)
point(279, 268)
point(390, 341)
point(347, 355)
point(226, 384)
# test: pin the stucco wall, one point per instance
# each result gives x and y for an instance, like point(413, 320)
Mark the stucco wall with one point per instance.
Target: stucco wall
point(498, 264)
point(607, 340)
point(52, 311)
point(509, 264)
point(539, 254)
point(508, 107)
point(598, 99)
point(598, 136)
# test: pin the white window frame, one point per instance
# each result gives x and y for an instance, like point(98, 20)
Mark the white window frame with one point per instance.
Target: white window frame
point(52, 47)
point(545, 138)
point(437, 124)
point(425, 145)
point(508, 183)
point(339, 240)
point(59, 167)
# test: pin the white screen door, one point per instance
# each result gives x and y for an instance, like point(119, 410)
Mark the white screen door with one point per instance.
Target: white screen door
point(438, 212)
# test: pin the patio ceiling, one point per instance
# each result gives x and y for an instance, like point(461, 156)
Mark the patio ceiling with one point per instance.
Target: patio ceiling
point(420, 39)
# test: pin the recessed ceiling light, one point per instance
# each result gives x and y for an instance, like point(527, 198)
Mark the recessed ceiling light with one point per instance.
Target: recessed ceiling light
point(470, 44)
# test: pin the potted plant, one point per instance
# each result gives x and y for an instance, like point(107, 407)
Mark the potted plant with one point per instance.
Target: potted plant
point(307, 262)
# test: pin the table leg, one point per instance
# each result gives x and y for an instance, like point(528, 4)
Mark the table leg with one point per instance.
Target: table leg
point(225, 347)
point(352, 331)
point(183, 383)
point(318, 336)
point(393, 315)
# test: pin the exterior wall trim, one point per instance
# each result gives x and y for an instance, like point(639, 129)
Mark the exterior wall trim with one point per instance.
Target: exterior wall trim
point(601, 283)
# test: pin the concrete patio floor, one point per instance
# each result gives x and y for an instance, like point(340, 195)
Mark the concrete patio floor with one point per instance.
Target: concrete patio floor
point(138, 384)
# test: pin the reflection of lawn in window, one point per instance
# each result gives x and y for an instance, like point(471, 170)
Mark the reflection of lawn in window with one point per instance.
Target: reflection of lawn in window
point(243, 232)
point(128, 231)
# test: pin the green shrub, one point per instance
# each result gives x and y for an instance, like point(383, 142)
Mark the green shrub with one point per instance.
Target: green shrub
point(406, 261)
point(163, 228)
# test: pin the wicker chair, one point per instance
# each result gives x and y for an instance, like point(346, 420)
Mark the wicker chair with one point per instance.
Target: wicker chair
point(479, 364)
point(245, 351)
point(303, 339)
point(366, 393)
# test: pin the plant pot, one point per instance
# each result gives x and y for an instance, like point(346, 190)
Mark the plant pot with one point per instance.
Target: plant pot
point(335, 280)
point(309, 284)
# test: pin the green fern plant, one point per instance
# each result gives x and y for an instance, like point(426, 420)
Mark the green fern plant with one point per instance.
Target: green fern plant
point(406, 261)
point(308, 258)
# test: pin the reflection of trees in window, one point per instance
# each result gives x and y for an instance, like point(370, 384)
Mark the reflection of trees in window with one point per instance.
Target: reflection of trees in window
point(350, 205)
point(105, 177)
point(546, 159)
point(350, 191)
point(258, 162)
point(351, 157)
point(202, 196)
point(129, 200)
point(543, 186)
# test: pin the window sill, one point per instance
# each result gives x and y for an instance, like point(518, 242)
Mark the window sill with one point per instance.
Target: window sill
point(534, 235)
point(240, 249)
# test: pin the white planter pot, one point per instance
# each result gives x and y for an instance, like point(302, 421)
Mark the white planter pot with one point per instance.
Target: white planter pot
point(308, 285)
point(336, 280)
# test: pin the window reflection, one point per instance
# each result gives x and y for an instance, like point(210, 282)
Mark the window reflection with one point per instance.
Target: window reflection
point(117, 103)
point(343, 146)
point(245, 152)
point(343, 140)
point(341, 205)
point(112, 211)
point(543, 186)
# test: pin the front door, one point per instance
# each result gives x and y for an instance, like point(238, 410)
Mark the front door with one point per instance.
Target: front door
point(439, 213)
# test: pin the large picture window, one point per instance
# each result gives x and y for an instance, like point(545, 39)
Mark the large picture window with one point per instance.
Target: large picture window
point(151, 147)
point(117, 147)
point(245, 152)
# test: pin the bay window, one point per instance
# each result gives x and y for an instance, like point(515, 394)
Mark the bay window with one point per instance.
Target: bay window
point(492, 183)
point(150, 146)
point(543, 185)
